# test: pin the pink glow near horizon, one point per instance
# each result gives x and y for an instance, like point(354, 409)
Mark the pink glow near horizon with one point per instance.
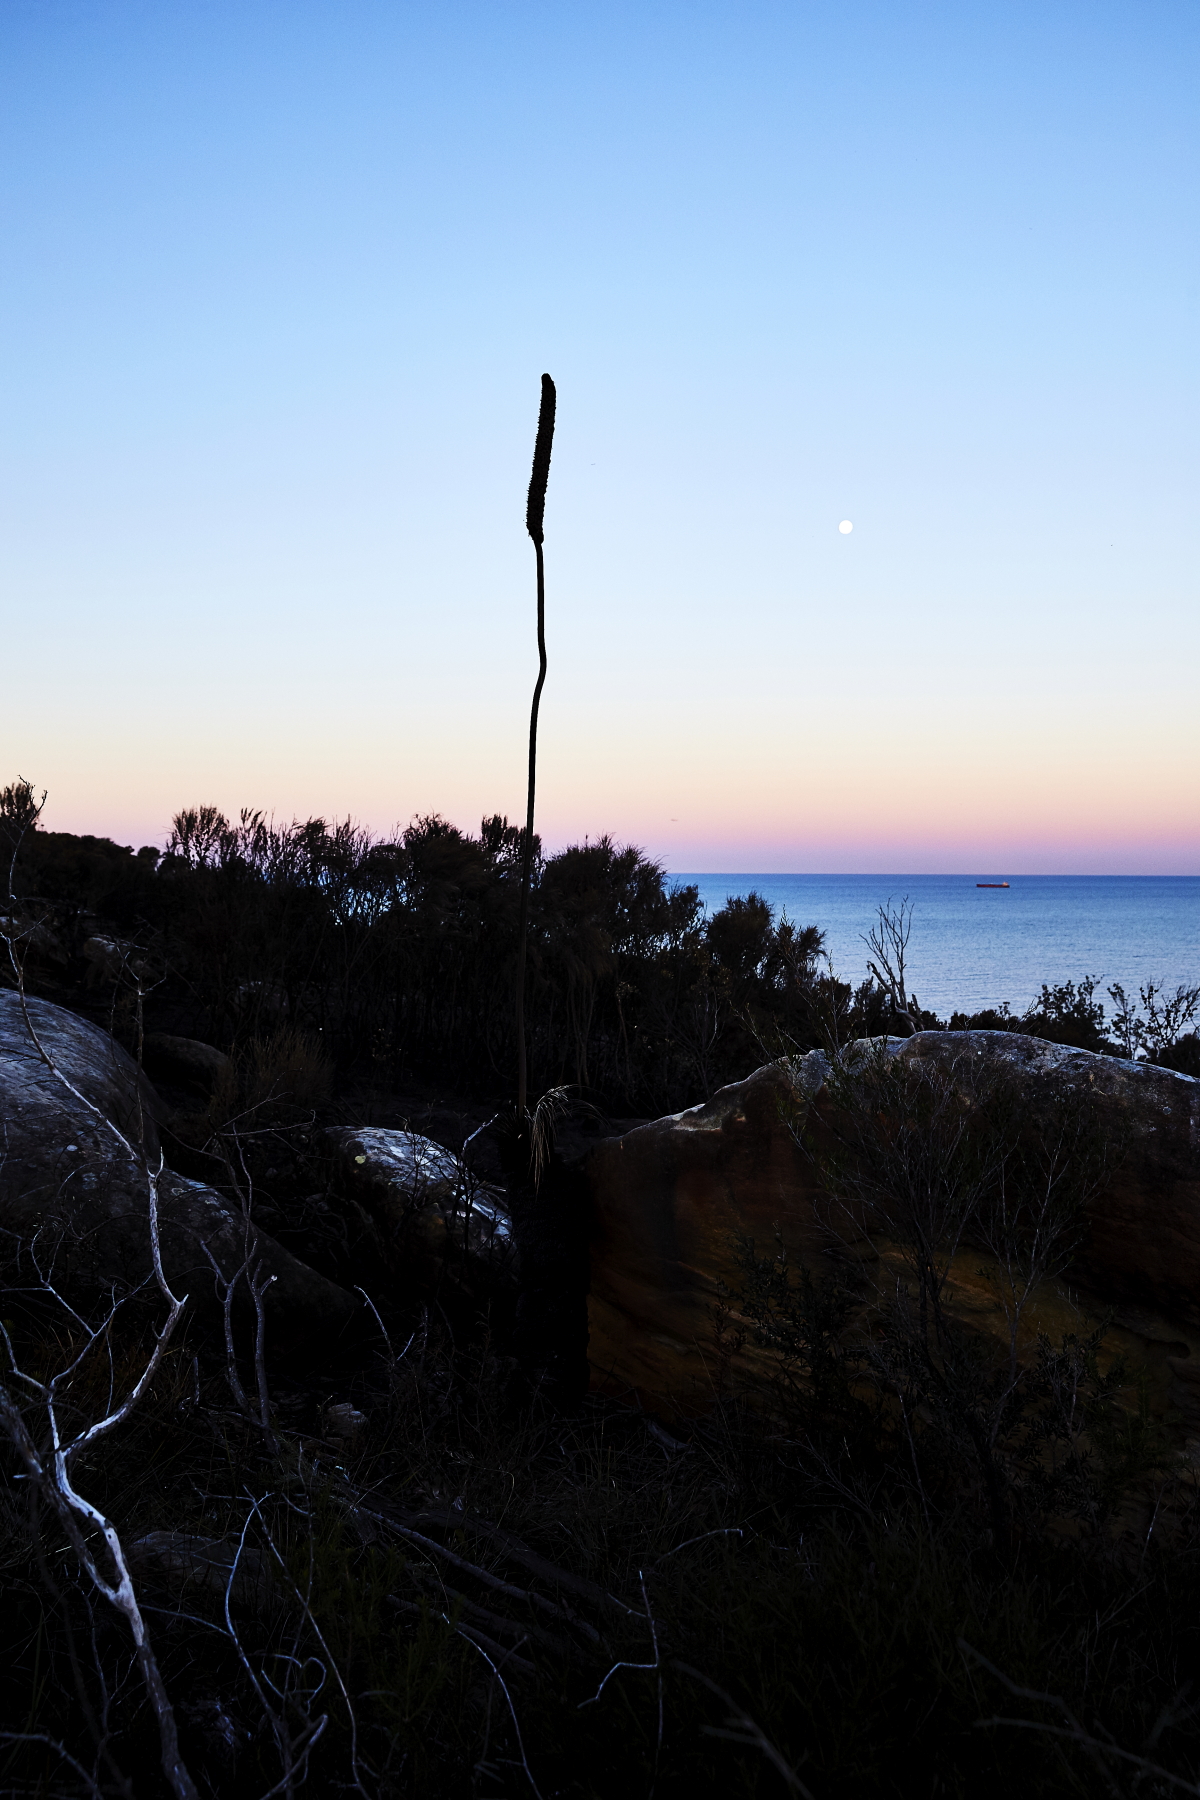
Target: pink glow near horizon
point(270, 425)
point(842, 829)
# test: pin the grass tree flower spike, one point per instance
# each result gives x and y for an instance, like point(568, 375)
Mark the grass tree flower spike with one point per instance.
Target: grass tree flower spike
point(535, 511)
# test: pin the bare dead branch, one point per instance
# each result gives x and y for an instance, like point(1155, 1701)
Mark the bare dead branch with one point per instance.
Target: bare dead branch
point(528, 1595)
point(41, 1737)
point(740, 1728)
point(1098, 1748)
point(511, 1708)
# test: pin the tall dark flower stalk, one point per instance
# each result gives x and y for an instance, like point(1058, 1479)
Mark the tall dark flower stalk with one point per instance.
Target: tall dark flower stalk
point(535, 510)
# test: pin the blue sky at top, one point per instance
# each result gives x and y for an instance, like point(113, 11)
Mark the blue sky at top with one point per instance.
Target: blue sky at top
point(278, 285)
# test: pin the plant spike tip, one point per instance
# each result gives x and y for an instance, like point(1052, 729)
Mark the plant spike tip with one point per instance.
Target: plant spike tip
point(536, 507)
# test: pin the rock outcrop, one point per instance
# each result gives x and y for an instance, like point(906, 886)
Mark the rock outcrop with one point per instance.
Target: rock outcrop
point(672, 1198)
point(186, 1061)
point(441, 1222)
point(669, 1201)
point(79, 1125)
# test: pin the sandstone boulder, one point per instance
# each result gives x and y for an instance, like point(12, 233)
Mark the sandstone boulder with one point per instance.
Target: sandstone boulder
point(110, 958)
point(187, 1061)
point(1142, 1248)
point(32, 936)
point(440, 1220)
point(74, 1196)
point(671, 1199)
point(87, 1059)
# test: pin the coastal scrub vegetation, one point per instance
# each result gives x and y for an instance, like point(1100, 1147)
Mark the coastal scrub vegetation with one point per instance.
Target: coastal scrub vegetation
point(396, 957)
point(411, 1587)
point(392, 1568)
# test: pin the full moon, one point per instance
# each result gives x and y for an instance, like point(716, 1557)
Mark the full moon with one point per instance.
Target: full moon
point(845, 527)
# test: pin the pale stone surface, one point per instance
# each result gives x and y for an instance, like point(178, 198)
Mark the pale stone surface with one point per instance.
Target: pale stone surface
point(78, 1125)
point(425, 1202)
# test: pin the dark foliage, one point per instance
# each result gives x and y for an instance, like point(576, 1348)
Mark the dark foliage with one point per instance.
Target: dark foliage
point(398, 957)
point(922, 1568)
point(1182, 1056)
point(1069, 1013)
point(400, 954)
point(796, 1595)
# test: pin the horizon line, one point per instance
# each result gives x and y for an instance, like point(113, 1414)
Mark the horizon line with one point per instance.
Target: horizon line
point(925, 875)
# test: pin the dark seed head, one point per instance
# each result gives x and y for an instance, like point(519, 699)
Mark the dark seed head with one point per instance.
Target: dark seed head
point(536, 507)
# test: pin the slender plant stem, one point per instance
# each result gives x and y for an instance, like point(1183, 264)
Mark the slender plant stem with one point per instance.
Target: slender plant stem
point(527, 868)
point(534, 513)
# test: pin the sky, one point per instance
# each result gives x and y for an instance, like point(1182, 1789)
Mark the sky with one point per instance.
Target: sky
point(279, 279)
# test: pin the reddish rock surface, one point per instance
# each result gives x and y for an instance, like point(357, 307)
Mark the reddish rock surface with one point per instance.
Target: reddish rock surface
point(672, 1197)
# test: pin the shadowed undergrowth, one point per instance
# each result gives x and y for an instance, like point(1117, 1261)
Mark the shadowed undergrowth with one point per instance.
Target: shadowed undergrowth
point(433, 1569)
point(396, 957)
point(915, 1571)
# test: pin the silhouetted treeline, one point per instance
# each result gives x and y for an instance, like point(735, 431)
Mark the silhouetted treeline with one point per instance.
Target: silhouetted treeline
point(400, 952)
point(398, 955)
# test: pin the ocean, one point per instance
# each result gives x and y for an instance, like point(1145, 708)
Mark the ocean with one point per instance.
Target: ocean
point(973, 947)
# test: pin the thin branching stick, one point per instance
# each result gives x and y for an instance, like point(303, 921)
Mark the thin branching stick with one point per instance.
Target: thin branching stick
point(293, 1747)
point(52, 1474)
point(504, 1690)
point(1097, 1748)
point(41, 1737)
point(305, 1603)
point(653, 1668)
point(889, 940)
point(740, 1728)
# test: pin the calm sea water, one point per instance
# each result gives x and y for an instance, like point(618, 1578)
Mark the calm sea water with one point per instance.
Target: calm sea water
point(973, 947)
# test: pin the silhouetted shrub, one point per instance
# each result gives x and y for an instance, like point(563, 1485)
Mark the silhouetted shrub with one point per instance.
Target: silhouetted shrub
point(399, 955)
point(1069, 1013)
point(1183, 1056)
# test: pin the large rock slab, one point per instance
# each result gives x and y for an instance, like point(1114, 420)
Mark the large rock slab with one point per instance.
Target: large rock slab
point(672, 1198)
point(669, 1201)
point(187, 1062)
point(436, 1218)
point(78, 1125)
point(86, 1058)
point(1142, 1247)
